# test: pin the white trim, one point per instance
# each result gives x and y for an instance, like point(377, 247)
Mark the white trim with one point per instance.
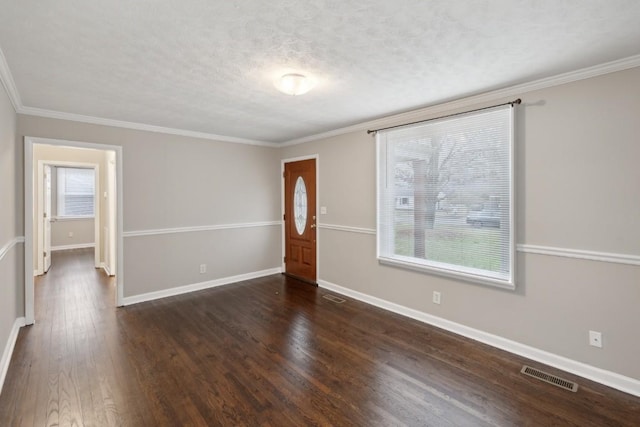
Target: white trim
point(72, 218)
point(581, 254)
point(572, 76)
point(198, 286)
point(30, 269)
point(9, 84)
point(608, 378)
point(315, 157)
point(106, 269)
point(9, 245)
point(440, 107)
point(466, 274)
point(348, 229)
point(76, 246)
point(525, 248)
point(40, 112)
point(158, 231)
point(8, 349)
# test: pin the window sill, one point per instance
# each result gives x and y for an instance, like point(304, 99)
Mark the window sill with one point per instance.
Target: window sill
point(71, 218)
point(449, 273)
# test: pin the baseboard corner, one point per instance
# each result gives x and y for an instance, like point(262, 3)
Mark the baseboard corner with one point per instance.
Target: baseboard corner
point(184, 289)
point(8, 349)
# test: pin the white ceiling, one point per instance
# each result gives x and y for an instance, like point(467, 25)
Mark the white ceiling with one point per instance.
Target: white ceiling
point(208, 65)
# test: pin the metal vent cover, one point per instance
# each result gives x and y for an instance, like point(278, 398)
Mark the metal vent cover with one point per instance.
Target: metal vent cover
point(548, 378)
point(334, 298)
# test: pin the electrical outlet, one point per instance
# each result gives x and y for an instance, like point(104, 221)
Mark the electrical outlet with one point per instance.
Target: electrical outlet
point(595, 339)
point(436, 297)
point(203, 268)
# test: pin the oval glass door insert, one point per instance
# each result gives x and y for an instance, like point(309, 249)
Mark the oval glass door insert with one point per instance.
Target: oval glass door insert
point(300, 205)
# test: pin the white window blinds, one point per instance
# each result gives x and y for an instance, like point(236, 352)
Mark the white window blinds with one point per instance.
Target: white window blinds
point(75, 192)
point(445, 196)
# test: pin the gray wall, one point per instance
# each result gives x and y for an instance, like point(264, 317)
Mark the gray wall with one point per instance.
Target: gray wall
point(172, 182)
point(11, 264)
point(577, 188)
point(83, 232)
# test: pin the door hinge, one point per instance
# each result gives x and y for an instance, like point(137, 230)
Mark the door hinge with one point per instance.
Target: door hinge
point(284, 174)
point(45, 254)
point(45, 214)
point(284, 259)
point(284, 217)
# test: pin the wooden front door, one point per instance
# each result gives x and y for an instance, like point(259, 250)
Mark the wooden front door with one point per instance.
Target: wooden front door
point(300, 219)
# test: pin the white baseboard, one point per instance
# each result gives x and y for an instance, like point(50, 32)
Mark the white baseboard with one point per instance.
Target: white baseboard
point(608, 378)
point(8, 349)
point(198, 286)
point(76, 246)
point(106, 269)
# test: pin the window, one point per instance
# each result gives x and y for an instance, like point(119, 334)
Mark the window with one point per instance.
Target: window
point(75, 192)
point(445, 196)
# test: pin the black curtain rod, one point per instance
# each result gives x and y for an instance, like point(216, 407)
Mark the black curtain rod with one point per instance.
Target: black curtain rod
point(512, 103)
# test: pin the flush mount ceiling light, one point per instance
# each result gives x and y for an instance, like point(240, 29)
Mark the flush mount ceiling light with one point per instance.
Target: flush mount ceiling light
point(294, 84)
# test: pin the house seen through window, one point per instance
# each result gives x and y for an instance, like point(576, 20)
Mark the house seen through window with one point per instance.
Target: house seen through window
point(445, 196)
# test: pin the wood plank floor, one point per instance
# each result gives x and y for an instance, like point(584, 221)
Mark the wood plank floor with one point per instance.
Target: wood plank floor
point(267, 352)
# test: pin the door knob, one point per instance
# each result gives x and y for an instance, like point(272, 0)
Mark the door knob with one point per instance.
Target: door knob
point(313, 226)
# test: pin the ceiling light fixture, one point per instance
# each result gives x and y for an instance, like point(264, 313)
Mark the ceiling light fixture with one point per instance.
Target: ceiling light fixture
point(294, 84)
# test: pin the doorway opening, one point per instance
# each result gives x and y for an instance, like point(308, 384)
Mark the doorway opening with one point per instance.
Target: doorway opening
point(68, 212)
point(73, 204)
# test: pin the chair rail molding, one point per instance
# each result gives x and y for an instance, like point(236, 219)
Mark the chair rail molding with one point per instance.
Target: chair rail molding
point(158, 231)
point(9, 245)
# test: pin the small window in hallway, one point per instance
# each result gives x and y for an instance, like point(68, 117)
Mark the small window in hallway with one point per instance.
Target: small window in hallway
point(75, 192)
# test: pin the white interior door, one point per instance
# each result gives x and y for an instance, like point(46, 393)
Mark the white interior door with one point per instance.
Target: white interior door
point(46, 220)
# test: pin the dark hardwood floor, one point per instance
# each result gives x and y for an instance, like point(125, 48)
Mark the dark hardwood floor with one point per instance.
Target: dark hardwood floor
point(269, 351)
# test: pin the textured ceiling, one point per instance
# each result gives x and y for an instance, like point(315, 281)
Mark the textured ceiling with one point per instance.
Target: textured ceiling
point(209, 65)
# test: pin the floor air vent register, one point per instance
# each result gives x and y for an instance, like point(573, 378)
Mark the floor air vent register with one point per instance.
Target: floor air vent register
point(333, 298)
point(548, 378)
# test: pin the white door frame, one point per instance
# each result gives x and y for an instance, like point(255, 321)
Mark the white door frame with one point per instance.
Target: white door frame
point(97, 217)
point(316, 157)
point(110, 250)
point(44, 219)
point(29, 216)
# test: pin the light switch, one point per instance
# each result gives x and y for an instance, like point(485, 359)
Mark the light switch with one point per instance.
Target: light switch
point(323, 210)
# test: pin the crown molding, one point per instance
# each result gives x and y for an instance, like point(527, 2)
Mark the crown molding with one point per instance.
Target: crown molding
point(609, 67)
point(517, 90)
point(9, 84)
point(12, 91)
point(52, 114)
